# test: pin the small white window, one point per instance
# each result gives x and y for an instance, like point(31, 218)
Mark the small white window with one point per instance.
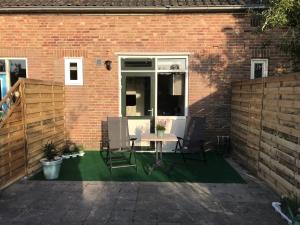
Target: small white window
point(259, 68)
point(73, 71)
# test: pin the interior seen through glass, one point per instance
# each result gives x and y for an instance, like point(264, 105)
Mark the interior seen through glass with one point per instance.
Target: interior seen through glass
point(2, 66)
point(138, 96)
point(258, 70)
point(171, 94)
point(141, 63)
point(17, 68)
point(73, 71)
point(171, 64)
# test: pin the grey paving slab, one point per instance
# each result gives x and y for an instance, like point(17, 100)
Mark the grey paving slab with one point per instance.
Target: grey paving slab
point(138, 203)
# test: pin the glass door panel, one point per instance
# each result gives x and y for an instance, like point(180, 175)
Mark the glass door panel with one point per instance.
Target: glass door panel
point(138, 102)
point(138, 96)
point(2, 85)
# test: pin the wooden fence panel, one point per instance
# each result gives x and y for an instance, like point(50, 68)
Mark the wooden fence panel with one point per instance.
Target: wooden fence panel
point(265, 129)
point(38, 117)
point(44, 118)
point(12, 148)
point(245, 121)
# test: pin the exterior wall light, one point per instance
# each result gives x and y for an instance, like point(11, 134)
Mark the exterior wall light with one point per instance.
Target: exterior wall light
point(107, 64)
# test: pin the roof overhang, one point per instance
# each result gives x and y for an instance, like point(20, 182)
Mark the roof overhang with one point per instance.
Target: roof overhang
point(111, 10)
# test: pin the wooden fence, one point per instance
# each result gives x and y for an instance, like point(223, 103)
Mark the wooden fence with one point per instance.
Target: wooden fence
point(265, 129)
point(35, 118)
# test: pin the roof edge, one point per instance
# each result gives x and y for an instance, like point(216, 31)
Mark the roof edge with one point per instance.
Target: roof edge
point(225, 8)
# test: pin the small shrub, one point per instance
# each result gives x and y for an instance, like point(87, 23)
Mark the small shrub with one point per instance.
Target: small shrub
point(291, 207)
point(50, 151)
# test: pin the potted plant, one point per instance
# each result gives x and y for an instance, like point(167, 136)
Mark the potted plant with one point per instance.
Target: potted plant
point(160, 129)
point(52, 162)
point(72, 150)
point(289, 209)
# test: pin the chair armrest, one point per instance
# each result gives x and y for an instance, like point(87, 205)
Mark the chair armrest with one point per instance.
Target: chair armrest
point(179, 138)
point(133, 139)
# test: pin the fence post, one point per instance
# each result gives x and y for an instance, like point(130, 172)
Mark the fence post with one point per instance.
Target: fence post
point(23, 107)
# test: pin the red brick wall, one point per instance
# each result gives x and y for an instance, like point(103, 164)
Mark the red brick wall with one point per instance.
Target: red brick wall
point(220, 47)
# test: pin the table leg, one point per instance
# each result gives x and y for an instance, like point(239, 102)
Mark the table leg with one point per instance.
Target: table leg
point(161, 151)
point(156, 153)
point(158, 157)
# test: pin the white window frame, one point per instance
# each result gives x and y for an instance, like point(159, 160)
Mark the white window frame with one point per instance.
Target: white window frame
point(265, 67)
point(156, 57)
point(79, 62)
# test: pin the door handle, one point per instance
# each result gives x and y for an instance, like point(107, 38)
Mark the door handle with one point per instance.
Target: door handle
point(151, 110)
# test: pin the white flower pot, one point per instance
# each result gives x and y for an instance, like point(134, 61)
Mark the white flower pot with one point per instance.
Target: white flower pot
point(81, 153)
point(74, 155)
point(51, 168)
point(160, 133)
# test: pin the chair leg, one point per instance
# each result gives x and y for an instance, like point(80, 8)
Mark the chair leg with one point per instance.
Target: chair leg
point(136, 169)
point(183, 157)
point(130, 157)
point(110, 162)
point(176, 147)
point(181, 151)
point(202, 151)
point(106, 158)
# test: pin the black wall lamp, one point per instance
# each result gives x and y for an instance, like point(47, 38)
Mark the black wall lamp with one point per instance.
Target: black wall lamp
point(107, 64)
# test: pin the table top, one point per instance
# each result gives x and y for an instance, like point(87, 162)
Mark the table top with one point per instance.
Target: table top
point(154, 137)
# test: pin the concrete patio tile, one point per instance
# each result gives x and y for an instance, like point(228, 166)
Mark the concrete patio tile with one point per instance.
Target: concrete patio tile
point(97, 215)
point(145, 215)
point(33, 216)
point(251, 213)
point(119, 215)
point(138, 203)
point(7, 214)
point(125, 204)
point(170, 216)
point(170, 223)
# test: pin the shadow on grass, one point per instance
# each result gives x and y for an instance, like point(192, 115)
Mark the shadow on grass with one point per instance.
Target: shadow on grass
point(92, 167)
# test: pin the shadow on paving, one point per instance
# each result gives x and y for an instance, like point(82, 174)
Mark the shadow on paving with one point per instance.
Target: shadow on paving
point(140, 203)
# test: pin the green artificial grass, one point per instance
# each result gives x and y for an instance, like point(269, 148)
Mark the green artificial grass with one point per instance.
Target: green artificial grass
point(91, 167)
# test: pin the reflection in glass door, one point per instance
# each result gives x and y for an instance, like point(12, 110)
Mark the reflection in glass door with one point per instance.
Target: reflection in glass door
point(138, 96)
point(138, 103)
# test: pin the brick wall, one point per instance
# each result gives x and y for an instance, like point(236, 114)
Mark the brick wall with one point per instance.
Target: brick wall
point(220, 47)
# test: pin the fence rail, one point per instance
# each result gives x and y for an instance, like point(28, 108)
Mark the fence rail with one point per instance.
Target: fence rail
point(34, 119)
point(265, 129)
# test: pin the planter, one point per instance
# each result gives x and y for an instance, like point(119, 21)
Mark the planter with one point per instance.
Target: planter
point(160, 133)
point(51, 168)
point(73, 155)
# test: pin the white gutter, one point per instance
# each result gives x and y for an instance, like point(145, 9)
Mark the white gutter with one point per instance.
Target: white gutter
point(165, 9)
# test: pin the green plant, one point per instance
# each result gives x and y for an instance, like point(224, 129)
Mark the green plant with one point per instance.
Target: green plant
point(285, 14)
point(161, 126)
point(50, 151)
point(290, 206)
